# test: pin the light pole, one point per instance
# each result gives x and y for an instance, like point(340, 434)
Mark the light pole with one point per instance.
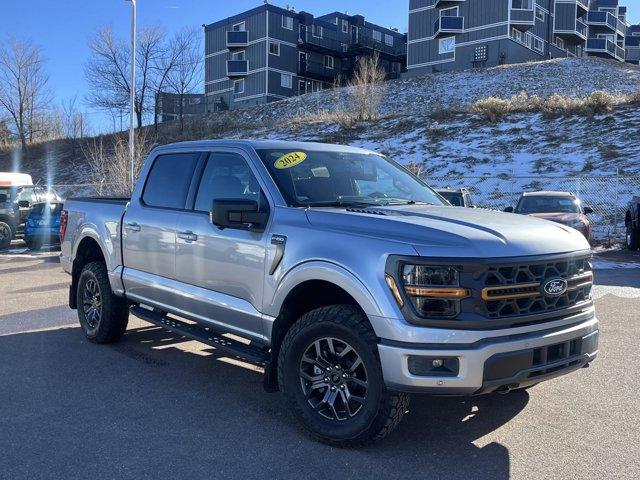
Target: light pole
point(132, 89)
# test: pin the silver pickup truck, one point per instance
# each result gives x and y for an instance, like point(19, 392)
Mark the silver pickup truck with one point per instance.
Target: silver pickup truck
point(346, 277)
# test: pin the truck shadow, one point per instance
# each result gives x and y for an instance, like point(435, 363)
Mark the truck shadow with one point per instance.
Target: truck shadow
point(155, 406)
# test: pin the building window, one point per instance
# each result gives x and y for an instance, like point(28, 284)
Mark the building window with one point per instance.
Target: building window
point(239, 27)
point(450, 12)
point(239, 55)
point(377, 36)
point(287, 22)
point(540, 15)
point(522, 4)
point(345, 26)
point(480, 54)
point(560, 43)
point(447, 45)
point(538, 44)
point(274, 48)
point(516, 35)
point(316, 31)
point(528, 38)
point(328, 61)
point(388, 39)
point(238, 86)
point(286, 80)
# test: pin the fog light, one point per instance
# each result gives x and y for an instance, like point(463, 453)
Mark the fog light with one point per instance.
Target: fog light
point(433, 366)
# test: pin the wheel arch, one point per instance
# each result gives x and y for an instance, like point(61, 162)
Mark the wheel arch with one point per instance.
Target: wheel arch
point(88, 250)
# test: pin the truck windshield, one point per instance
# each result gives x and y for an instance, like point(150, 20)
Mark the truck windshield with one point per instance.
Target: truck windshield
point(545, 204)
point(331, 178)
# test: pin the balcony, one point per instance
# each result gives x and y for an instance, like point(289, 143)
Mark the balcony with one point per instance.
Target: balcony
point(575, 35)
point(448, 3)
point(603, 47)
point(448, 25)
point(522, 19)
point(237, 39)
point(606, 21)
point(237, 68)
point(317, 71)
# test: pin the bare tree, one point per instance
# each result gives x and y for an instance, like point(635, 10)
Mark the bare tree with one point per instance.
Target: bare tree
point(367, 88)
point(186, 76)
point(23, 83)
point(108, 70)
point(73, 122)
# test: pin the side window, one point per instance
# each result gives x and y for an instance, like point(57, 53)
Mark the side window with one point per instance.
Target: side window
point(169, 180)
point(226, 176)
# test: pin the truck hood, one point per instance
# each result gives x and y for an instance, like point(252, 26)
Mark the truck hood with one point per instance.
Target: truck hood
point(452, 232)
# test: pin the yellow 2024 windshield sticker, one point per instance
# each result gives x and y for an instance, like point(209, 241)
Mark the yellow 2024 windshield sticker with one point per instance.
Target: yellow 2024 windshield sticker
point(289, 160)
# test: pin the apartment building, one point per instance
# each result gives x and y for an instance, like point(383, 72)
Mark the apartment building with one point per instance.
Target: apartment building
point(169, 105)
point(269, 53)
point(449, 35)
point(632, 44)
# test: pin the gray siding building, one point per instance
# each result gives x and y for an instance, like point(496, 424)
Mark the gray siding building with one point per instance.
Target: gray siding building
point(270, 53)
point(169, 106)
point(460, 34)
point(632, 44)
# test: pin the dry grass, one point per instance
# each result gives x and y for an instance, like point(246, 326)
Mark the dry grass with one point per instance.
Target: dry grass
point(494, 109)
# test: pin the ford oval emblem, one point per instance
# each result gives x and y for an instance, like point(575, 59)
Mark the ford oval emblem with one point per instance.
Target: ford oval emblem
point(555, 287)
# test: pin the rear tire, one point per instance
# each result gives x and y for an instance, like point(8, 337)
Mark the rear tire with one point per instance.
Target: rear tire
point(6, 235)
point(34, 245)
point(103, 316)
point(632, 237)
point(330, 376)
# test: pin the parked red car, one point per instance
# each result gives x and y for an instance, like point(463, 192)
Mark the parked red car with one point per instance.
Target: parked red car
point(560, 207)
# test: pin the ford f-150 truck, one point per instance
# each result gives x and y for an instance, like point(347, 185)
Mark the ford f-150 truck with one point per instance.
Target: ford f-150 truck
point(336, 269)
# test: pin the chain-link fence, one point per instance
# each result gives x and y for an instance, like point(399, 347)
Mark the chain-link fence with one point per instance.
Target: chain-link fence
point(607, 195)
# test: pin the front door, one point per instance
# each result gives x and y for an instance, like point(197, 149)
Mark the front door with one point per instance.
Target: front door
point(302, 58)
point(302, 33)
point(149, 229)
point(222, 270)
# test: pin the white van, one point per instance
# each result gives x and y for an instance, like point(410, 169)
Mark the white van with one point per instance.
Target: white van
point(10, 179)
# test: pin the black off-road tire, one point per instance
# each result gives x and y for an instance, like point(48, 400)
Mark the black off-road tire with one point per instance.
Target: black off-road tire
point(632, 237)
point(6, 234)
point(381, 410)
point(34, 245)
point(110, 323)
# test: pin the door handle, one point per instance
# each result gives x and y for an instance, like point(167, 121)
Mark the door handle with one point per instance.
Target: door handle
point(188, 236)
point(132, 227)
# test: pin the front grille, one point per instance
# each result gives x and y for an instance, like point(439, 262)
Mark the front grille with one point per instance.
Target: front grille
point(516, 289)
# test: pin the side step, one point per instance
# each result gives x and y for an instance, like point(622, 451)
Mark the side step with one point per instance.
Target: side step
point(234, 348)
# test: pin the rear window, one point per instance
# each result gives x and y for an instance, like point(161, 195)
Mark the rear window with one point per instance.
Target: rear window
point(169, 180)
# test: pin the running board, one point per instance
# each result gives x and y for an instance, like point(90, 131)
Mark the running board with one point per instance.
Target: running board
point(234, 348)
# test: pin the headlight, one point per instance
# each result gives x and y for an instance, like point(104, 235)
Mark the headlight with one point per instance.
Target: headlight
point(434, 291)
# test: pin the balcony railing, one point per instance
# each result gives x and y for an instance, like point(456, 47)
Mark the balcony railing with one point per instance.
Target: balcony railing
point(448, 3)
point(444, 25)
point(523, 18)
point(580, 31)
point(606, 19)
point(317, 71)
point(606, 46)
point(334, 47)
point(237, 39)
point(237, 68)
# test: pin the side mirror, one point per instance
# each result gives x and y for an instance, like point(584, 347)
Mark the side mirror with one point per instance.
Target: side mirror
point(24, 204)
point(242, 214)
point(587, 210)
point(509, 209)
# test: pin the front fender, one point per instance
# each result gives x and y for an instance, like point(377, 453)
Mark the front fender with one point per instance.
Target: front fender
point(329, 272)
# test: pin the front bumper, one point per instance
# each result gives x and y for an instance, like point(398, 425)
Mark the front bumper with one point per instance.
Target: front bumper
point(500, 362)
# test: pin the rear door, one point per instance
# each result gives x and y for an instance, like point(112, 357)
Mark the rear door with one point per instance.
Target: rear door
point(149, 229)
point(222, 271)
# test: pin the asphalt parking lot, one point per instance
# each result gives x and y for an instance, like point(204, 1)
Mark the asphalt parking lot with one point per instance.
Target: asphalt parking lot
point(159, 406)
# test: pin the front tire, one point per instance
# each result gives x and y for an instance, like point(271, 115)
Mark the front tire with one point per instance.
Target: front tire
point(632, 237)
point(103, 316)
point(6, 235)
point(329, 374)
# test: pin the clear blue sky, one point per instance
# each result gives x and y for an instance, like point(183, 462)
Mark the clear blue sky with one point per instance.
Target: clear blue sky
point(62, 27)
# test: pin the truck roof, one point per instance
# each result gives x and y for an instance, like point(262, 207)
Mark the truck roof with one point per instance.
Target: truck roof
point(263, 144)
point(547, 193)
